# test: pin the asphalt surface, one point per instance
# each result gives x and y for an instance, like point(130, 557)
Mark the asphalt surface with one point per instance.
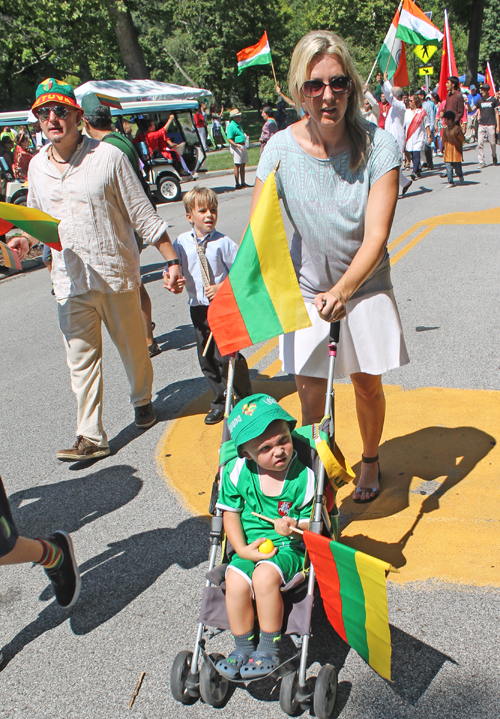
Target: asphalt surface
point(143, 555)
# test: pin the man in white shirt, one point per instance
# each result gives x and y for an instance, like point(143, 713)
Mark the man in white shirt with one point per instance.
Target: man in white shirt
point(417, 127)
point(93, 190)
point(394, 123)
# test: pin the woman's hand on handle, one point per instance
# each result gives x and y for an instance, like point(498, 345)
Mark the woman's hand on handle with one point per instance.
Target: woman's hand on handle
point(330, 305)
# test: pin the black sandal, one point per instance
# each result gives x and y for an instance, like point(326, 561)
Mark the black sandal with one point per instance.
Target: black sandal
point(375, 491)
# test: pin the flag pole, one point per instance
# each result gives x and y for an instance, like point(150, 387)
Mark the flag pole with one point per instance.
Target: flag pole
point(373, 68)
point(274, 74)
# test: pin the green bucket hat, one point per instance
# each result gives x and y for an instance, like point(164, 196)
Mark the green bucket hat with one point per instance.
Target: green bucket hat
point(253, 415)
point(52, 90)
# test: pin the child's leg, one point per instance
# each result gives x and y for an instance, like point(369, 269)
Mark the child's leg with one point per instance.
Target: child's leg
point(458, 170)
point(209, 364)
point(449, 172)
point(25, 550)
point(239, 603)
point(267, 582)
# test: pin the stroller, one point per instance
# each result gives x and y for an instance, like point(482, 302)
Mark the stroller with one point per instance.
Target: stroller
point(188, 681)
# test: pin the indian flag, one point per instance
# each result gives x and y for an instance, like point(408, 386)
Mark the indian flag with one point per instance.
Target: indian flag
point(352, 587)
point(260, 298)
point(415, 27)
point(259, 54)
point(392, 55)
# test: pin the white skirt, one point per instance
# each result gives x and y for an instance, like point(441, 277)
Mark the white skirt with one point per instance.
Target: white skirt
point(240, 155)
point(371, 340)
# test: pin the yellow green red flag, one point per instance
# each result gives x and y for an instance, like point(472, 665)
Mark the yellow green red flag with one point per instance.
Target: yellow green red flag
point(353, 589)
point(35, 222)
point(260, 298)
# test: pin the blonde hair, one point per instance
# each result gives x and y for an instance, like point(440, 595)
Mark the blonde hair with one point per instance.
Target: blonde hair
point(313, 46)
point(205, 196)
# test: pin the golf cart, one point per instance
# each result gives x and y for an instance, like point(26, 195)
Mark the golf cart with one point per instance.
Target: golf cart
point(13, 190)
point(146, 101)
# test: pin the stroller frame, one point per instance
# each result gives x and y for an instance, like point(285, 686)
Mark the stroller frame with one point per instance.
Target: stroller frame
point(187, 682)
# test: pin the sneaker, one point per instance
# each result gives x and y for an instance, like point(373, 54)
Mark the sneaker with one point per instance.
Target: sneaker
point(481, 165)
point(66, 578)
point(214, 416)
point(83, 449)
point(145, 416)
point(446, 187)
point(461, 181)
point(495, 161)
point(413, 177)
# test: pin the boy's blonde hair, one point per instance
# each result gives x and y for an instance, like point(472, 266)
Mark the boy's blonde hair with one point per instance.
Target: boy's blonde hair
point(205, 197)
point(314, 46)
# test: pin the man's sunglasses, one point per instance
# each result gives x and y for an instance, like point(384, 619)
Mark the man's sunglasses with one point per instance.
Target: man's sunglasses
point(59, 111)
point(338, 86)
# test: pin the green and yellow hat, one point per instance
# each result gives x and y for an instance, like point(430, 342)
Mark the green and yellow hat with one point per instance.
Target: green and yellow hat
point(252, 416)
point(52, 90)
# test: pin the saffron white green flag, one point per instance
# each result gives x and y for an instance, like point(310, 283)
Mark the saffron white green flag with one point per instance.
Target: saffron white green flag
point(259, 54)
point(415, 27)
point(392, 56)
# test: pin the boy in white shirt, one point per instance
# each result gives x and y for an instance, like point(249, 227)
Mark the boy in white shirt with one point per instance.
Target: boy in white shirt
point(206, 256)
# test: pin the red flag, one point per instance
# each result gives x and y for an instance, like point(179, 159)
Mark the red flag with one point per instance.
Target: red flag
point(448, 65)
point(488, 79)
point(400, 77)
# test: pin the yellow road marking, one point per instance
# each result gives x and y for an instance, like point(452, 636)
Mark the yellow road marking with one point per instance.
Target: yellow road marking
point(256, 357)
point(270, 371)
point(410, 245)
point(438, 516)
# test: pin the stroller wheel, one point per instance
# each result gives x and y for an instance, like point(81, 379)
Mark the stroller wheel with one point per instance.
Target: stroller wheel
point(288, 693)
point(214, 688)
point(178, 677)
point(325, 692)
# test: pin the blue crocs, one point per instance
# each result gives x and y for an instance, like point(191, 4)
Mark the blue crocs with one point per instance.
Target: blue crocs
point(259, 665)
point(230, 667)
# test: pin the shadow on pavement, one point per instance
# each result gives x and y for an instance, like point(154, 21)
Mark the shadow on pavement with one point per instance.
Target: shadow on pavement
point(117, 576)
point(429, 454)
point(180, 338)
point(72, 504)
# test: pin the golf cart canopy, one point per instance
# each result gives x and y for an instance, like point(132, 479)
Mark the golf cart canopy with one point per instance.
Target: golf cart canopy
point(15, 118)
point(146, 107)
point(137, 91)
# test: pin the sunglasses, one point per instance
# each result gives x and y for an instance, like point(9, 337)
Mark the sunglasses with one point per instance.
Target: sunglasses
point(59, 111)
point(338, 86)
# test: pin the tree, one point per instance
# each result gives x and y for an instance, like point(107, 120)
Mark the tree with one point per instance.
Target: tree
point(128, 43)
point(476, 23)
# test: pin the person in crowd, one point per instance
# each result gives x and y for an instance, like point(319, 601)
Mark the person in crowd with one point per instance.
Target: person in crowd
point(217, 135)
point(127, 129)
point(417, 127)
point(269, 127)
point(98, 125)
point(206, 256)
point(339, 252)
point(453, 139)
point(440, 126)
point(394, 124)
point(281, 115)
point(200, 121)
point(92, 189)
point(10, 132)
point(6, 151)
point(406, 99)
point(489, 124)
point(379, 79)
point(430, 107)
point(471, 131)
point(384, 108)
point(237, 145)
point(22, 157)
point(454, 99)
point(158, 141)
point(370, 108)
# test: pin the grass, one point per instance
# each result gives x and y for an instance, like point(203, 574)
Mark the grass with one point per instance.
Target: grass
point(224, 160)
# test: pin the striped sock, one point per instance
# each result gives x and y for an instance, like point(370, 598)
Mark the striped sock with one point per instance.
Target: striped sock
point(52, 556)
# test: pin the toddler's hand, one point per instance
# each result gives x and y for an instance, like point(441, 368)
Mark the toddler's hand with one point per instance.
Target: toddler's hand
point(251, 551)
point(175, 285)
point(285, 525)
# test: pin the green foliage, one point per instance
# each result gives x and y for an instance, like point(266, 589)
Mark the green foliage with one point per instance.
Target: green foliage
point(196, 41)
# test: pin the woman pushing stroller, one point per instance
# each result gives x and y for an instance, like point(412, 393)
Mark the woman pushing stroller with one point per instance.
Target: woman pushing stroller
point(268, 479)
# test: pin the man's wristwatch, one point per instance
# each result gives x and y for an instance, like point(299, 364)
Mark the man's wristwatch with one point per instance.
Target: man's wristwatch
point(169, 264)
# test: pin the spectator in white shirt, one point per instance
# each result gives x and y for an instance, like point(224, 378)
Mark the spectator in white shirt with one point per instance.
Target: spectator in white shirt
point(394, 123)
point(416, 126)
point(93, 190)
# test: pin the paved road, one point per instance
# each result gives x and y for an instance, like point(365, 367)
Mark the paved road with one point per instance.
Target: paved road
point(143, 552)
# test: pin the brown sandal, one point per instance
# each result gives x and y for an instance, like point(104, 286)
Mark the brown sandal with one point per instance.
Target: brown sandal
point(375, 491)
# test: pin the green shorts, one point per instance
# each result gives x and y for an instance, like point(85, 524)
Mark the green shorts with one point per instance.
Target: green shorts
point(288, 561)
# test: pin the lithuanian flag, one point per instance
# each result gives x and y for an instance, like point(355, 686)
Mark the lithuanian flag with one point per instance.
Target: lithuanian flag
point(259, 54)
point(352, 586)
point(260, 298)
point(10, 257)
point(35, 222)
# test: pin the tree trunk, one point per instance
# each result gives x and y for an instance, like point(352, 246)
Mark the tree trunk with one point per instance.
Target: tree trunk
point(475, 28)
point(128, 43)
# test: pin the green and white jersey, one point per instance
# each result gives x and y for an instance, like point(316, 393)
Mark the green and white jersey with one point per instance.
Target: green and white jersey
point(241, 491)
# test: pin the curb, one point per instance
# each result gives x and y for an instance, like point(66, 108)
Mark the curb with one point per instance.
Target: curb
point(221, 173)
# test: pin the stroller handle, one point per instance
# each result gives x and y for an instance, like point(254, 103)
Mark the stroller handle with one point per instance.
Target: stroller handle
point(334, 331)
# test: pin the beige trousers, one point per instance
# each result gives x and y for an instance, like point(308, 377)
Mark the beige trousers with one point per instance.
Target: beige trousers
point(80, 320)
point(486, 132)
